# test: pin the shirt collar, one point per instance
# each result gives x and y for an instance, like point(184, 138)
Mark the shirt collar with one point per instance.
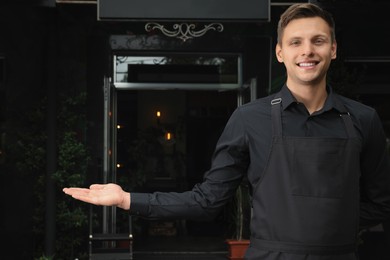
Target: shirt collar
point(330, 103)
point(287, 97)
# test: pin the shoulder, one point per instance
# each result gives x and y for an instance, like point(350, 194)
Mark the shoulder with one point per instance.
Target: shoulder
point(357, 109)
point(365, 118)
point(260, 107)
point(262, 104)
point(251, 114)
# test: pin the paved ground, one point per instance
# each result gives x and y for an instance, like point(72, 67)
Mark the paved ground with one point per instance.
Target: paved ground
point(182, 256)
point(170, 248)
point(375, 246)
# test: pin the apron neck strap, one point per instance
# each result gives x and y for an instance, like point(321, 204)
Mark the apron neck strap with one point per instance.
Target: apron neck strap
point(276, 115)
point(346, 116)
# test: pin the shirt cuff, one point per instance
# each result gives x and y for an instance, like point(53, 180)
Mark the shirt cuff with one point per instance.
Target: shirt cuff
point(139, 204)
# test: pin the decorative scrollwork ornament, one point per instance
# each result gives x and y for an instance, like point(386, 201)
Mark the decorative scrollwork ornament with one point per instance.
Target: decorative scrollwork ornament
point(184, 31)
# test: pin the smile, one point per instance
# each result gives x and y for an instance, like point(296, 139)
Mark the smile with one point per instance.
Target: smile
point(307, 64)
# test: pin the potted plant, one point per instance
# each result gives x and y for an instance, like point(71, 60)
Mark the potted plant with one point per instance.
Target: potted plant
point(240, 210)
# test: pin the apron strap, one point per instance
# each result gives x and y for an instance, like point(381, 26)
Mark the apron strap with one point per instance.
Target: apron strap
point(348, 124)
point(276, 116)
point(346, 116)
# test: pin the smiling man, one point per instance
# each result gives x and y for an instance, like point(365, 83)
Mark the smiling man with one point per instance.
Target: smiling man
point(316, 162)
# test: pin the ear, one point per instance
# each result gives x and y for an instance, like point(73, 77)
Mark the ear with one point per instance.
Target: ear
point(278, 52)
point(334, 50)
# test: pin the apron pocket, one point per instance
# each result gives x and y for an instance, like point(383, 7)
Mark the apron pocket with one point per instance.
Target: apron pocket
point(318, 172)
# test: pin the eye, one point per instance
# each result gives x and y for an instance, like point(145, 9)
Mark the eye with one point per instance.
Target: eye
point(295, 42)
point(319, 41)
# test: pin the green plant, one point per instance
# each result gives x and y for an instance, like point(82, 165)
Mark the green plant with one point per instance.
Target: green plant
point(43, 257)
point(72, 161)
point(240, 213)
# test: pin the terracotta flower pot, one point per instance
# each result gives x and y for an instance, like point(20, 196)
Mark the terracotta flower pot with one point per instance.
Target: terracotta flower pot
point(237, 248)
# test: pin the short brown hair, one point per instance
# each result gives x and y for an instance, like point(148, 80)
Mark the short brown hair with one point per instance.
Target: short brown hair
point(306, 10)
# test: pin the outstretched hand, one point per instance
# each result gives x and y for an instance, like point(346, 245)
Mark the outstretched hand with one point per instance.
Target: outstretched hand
point(101, 194)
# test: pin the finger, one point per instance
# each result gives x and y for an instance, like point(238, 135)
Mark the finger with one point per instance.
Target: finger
point(72, 191)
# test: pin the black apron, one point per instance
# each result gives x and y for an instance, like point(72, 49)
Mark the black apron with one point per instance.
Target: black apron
point(307, 200)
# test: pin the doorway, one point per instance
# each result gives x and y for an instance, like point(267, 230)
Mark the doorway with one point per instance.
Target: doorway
point(165, 140)
point(161, 126)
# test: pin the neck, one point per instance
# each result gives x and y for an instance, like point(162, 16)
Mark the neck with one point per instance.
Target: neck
point(313, 97)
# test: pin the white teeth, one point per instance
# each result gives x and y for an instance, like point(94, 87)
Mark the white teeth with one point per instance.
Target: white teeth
point(306, 64)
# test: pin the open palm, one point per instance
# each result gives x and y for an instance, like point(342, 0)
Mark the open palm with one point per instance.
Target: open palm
point(101, 194)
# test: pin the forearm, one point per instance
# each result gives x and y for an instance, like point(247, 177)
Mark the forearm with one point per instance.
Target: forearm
point(189, 205)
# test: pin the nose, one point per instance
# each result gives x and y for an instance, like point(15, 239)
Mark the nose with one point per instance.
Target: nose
point(307, 49)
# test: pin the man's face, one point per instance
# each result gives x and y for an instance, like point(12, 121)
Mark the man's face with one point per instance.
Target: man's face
point(306, 50)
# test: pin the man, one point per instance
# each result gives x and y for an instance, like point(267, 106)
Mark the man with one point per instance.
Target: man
point(317, 162)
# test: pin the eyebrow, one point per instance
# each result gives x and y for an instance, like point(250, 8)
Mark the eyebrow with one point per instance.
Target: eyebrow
point(313, 37)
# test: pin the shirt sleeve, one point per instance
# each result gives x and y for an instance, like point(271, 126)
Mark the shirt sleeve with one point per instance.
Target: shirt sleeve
point(229, 165)
point(375, 176)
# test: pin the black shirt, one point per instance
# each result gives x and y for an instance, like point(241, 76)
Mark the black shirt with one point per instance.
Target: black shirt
point(245, 144)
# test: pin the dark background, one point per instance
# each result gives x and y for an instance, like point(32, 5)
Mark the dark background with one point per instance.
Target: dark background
point(47, 46)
